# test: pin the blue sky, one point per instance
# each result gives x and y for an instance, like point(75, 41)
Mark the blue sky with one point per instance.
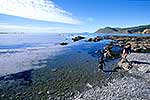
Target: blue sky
point(60, 16)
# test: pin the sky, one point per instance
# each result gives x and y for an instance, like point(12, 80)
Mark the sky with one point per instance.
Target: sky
point(71, 16)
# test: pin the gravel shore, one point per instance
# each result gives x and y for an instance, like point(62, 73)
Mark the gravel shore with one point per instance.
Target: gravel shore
point(124, 85)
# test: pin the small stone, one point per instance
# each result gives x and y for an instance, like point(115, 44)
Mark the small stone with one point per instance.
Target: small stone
point(72, 94)
point(40, 92)
point(77, 80)
point(89, 85)
point(47, 92)
point(54, 70)
point(51, 98)
point(24, 93)
point(2, 95)
point(10, 98)
point(17, 97)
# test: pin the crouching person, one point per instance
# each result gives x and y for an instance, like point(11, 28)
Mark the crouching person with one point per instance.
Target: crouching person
point(124, 63)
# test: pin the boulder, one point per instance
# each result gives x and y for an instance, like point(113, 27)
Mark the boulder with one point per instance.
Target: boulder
point(90, 40)
point(125, 65)
point(146, 31)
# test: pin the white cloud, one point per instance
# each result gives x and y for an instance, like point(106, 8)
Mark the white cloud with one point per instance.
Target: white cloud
point(6, 27)
point(44, 10)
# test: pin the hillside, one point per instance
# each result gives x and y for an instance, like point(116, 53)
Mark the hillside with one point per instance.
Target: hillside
point(143, 29)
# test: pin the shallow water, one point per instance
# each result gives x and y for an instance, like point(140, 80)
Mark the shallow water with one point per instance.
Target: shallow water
point(62, 75)
point(41, 64)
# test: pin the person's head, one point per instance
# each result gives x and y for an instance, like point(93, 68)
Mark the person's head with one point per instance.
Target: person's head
point(128, 45)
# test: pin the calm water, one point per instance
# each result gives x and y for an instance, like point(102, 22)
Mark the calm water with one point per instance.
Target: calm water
point(14, 41)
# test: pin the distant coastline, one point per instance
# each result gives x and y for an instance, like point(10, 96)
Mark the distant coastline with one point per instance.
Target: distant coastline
point(143, 29)
point(11, 32)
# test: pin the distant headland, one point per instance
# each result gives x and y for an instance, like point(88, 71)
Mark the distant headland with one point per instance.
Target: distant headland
point(143, 29)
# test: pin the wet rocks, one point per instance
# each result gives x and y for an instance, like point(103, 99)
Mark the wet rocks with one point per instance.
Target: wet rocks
point(107, 37)
point(63, 43)
point(139, 44)
point(77, 38)
point(96, 39)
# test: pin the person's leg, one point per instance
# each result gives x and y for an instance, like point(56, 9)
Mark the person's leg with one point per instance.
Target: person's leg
point(100, 67)
point(124, 57)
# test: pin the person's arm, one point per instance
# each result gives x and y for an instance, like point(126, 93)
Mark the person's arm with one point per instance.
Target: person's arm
point(123, 51)
point(108, 52)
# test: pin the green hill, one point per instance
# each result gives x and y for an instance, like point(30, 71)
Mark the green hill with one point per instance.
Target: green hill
point(143, 29)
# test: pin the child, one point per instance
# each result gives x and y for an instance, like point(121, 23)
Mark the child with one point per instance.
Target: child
point(107, 53)
point(101, 63)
